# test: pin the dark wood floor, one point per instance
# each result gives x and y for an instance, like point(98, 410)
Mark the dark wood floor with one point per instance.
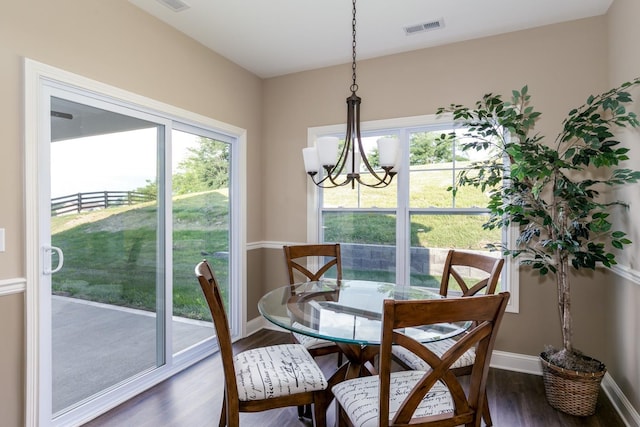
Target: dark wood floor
point(192, 399)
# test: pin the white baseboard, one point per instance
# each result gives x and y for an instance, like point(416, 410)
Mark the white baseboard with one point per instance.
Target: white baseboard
point(258, 323)
point(620, 402)
point(254, 325)
point(518, 363)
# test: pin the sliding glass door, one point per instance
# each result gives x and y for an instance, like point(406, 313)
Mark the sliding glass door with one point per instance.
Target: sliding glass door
point(129, 202)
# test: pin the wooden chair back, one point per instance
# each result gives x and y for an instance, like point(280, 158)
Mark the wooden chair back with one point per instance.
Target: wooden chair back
point(458, 261)
point(212, 294)
point(485, 312)
point(295, 255)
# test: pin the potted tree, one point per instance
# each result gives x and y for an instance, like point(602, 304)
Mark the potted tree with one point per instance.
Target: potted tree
point(551, 192)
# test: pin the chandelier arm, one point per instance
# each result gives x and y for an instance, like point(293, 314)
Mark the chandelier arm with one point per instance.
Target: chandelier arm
point(383, 182)
point(348, 139)
point(313, 176)
point(321, 183)
point(333, 183)
point(364, 158)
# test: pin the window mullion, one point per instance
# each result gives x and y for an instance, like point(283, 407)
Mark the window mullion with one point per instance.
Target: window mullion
point(403, 223)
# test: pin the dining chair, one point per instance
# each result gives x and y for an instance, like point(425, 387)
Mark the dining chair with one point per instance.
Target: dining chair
point(262, 378)
point(474, 274)
point(297, 257)
point(435, 396)
point(466, 269)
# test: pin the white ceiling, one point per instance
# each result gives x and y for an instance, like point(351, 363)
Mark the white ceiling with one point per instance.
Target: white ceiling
point(276, 37)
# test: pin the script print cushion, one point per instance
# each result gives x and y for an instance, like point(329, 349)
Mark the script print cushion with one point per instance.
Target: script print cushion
point(359, 397)
point(439, 348)
point(278, 370)
point(310, 342)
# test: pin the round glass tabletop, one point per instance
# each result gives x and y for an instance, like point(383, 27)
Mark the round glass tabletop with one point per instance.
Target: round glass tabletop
point(349, 313)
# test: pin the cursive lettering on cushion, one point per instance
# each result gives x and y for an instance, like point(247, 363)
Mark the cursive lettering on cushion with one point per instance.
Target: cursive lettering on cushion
point(307, 341)
point(278, 370)
point(359, 397)
point(439, 348)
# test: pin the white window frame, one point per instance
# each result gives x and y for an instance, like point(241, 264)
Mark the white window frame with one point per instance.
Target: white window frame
point(510, 273)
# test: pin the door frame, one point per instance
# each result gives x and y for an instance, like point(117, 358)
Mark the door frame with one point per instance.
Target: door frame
point(36, 77)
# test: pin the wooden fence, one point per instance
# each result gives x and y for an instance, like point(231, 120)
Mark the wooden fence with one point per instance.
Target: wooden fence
point(96, 200)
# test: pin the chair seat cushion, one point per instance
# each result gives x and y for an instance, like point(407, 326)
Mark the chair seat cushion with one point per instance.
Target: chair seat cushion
point(439, 348)
point(275, 371)
point(359, 397)
point(310, 342)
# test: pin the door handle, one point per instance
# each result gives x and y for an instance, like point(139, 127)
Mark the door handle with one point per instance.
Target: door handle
point(47, 264)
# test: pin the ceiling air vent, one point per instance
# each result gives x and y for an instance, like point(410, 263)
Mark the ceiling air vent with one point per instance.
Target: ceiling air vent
point(175, 5)
point(426, 26)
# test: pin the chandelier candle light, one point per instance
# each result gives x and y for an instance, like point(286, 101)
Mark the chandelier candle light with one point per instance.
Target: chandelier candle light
point(325, 152)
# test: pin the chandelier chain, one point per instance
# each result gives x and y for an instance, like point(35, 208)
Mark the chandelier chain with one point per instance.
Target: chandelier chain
point(354, 85)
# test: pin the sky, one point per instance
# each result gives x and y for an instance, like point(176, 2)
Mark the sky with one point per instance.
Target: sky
point(113, 162)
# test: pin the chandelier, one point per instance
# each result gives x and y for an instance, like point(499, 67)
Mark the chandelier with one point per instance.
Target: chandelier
point(352, 154)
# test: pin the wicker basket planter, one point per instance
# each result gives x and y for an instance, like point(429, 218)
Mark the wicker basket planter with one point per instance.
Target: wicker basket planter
point(572, 392)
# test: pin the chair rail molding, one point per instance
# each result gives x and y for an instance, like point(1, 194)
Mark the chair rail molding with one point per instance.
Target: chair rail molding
point(628, 273)
point(12, 286)
point(266, 244)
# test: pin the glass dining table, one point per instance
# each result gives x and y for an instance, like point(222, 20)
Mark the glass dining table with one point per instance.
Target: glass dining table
point(348, 313)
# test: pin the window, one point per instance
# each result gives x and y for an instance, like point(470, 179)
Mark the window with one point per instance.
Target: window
point(402, 233)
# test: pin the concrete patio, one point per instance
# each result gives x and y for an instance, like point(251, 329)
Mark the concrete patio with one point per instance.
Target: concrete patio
point(96, 346)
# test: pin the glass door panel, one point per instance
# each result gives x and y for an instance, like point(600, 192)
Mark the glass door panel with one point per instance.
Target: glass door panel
point(201, 230)
point(107, 298)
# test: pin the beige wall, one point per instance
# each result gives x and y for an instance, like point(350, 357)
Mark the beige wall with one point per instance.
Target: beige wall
point(115, 43)
point(562, 64)
point(12, 360)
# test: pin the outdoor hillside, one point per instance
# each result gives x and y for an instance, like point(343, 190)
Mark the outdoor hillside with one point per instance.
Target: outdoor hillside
point(111, 254)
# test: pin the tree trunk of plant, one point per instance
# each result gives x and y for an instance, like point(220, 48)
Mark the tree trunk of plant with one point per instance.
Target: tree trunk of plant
point(564, 300)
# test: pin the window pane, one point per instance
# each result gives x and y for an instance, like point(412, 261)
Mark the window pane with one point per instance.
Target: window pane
point(367, 241)
point(431, 170)
point(435, 162)
point(106, 223)
point(428, 187)
point(361, 197)
point(433, 235)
